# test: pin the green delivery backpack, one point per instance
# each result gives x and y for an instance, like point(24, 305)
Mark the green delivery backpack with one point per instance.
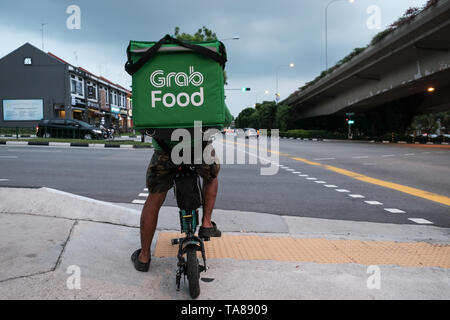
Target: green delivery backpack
point(176, 83)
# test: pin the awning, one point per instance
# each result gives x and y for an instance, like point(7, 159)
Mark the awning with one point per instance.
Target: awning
point(94, 111)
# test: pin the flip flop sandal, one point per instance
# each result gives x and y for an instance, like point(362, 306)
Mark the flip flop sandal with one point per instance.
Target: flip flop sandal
point(140, 266)
point(206, 233)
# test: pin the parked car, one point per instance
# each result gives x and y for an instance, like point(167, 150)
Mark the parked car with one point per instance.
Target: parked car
point(64, 128)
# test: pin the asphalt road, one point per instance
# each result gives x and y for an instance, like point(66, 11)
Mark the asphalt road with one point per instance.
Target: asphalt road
point(303, 185)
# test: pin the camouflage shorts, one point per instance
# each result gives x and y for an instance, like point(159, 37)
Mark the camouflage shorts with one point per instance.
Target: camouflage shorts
point(161, 172)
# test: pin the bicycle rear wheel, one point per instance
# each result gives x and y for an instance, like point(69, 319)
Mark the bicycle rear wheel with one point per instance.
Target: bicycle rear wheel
point(193, 271)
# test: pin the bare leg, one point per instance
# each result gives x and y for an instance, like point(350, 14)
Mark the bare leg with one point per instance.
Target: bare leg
point(210, 192)
point(149, 220)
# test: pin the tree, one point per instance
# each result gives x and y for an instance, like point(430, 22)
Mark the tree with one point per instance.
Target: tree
point(283, 117)
point(265, 115)
point(429, 123)
point(426, 122)
point(245, 119)
point(202, 34)
point(444, 118)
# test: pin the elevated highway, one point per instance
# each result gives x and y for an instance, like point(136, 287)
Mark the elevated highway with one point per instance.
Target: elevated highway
point(400, 67)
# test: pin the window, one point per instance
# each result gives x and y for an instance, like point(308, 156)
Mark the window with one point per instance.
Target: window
point(76, 84)
point(80, 88)
point(114, 98)
point(28, 61)
point(91, 90)
point(73, 86)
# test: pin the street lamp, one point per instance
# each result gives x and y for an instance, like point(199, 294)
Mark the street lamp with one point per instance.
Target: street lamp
point(326, 29)
point(277, 94)
point(232, 38)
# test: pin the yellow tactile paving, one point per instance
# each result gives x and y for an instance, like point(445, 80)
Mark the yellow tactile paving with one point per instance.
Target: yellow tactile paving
point(250, 247)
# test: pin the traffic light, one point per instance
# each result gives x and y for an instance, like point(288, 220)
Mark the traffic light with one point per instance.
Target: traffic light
point(246, 89)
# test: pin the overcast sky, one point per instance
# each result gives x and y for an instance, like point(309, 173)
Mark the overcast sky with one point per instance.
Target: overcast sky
point(272, 35)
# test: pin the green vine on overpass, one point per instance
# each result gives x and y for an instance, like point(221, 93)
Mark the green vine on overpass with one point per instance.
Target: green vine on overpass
point(407, 17)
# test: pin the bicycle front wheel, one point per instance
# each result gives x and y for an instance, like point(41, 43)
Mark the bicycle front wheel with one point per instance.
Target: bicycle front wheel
point(193, 271)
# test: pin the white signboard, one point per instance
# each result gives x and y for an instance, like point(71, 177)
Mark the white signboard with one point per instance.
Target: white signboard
point(23, 110)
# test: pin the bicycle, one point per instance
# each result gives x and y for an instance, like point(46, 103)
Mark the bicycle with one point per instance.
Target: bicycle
point(189, 198)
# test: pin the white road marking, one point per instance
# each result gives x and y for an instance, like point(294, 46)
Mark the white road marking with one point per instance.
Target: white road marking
point(311, 178)
point(392, 210)
point(356, 196)
point(296, 172)
point(303, 175)
point(4, 180)
point(360, 157)
point(388, 155)
point(320, 182)
point(145, 189)
point(374, 203)
point(290, 170)
point(409, 154)
point(420, 221)
point(342, 190)
point(330, 186)
point(138, 201)
point(145, 195)
point(9, 157)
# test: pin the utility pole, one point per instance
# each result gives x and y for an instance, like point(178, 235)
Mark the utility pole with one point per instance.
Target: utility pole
point(42, 30)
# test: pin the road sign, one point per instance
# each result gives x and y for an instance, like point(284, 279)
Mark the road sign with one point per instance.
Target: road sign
point(277, 97)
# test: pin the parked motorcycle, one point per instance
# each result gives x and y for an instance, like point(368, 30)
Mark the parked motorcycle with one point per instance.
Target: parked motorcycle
point(108, 133)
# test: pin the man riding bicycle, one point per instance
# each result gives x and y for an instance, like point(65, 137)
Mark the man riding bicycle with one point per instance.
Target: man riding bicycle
point(175, 84)
point(160, 179)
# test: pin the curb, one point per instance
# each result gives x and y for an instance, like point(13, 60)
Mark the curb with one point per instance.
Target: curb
point(74, 144)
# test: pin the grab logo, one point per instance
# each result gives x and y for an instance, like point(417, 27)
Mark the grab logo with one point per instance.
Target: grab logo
point(180, 79)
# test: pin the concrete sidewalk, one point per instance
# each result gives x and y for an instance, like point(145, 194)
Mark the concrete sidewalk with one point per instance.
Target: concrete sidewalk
point(48, 238)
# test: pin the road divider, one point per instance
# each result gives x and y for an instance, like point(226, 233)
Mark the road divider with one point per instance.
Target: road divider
point(77, 144)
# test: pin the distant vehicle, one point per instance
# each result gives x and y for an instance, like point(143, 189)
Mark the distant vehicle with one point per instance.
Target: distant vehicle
point(239, 133)
point(250, 133)
point(64, 128)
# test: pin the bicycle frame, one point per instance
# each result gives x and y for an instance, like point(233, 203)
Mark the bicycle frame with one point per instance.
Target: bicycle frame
point(189, 222)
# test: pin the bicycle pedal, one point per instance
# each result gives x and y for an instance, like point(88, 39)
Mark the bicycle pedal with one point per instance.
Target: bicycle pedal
point(206, 239)
point(175, 241)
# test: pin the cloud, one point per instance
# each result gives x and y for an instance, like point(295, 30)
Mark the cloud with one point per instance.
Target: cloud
point(272, 33)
